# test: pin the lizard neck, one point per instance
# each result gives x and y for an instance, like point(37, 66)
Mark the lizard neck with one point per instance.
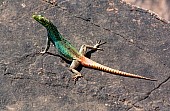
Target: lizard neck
point(53, 33)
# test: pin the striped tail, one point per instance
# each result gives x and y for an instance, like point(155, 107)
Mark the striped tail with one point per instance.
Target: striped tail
point(94, 65)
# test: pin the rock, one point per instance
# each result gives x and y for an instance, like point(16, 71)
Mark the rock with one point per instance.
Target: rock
point(137, 42)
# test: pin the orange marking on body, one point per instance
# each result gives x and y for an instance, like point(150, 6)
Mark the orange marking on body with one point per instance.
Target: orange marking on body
point(87, 62)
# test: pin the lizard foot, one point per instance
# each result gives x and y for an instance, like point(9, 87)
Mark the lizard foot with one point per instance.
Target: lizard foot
point(76, 77)
point(98, 44)
point(42, 52)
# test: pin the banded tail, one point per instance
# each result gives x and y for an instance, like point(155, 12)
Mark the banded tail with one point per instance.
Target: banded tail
point(94, 65)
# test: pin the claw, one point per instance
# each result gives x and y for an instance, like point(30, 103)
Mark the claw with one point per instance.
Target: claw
point(76, 77)
point(42, 52)
point(99, 49)
point(99, 43)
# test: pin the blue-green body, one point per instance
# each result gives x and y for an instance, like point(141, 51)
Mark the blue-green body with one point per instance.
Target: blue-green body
point(64, 47)
point(61, 44)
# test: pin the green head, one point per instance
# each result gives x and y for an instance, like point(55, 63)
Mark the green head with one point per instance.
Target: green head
point(42, 20)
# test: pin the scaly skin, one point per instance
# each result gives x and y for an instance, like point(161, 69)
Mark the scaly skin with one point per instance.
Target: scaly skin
point(69, 52)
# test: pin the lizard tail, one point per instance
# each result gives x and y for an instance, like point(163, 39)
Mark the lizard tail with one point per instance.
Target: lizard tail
point(94, 65)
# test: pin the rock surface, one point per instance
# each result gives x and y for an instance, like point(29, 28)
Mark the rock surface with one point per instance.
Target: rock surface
point(137, 42)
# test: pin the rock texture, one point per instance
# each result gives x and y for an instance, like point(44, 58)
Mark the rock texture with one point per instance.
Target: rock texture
point(137, 42)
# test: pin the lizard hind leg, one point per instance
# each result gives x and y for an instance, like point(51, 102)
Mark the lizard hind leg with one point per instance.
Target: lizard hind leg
point(72, 68)
point(84, 47)
point(76, 63)
point(76, 75)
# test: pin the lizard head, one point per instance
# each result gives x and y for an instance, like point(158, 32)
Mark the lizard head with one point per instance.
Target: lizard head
point(42, 20)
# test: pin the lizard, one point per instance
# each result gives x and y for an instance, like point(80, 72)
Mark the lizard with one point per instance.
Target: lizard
point(70, 53)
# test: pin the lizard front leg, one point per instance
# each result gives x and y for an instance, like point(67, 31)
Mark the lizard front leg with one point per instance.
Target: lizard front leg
point(47, 46)
point(83, 50)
